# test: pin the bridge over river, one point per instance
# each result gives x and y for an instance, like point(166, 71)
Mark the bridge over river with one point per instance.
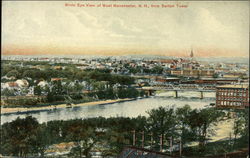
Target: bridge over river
point(180, 87)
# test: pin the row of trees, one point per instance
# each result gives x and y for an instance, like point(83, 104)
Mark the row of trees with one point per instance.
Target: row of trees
point(140, 69)
point(23, 101)
point(100, 90)
point(12, 68)
point(24, 137)
point(70, 72)
point(57, 92)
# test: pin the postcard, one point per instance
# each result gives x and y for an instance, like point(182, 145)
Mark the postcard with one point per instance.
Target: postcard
point(124, 79)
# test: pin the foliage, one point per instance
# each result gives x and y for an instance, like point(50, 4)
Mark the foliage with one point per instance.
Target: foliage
point(23, 101)
point(241, 124)
point(201, 122)
point(25, 137)
point(8, 92)
point(46, 72)
point(37, 90)
point(20, 137)
point(183, 125)
point(13, 73)
point(162, 121)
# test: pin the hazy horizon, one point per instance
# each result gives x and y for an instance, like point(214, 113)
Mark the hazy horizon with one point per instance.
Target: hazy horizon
point(211, 29)
point(129, 57)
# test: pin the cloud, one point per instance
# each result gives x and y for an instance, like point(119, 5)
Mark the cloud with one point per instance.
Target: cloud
point(52, 24)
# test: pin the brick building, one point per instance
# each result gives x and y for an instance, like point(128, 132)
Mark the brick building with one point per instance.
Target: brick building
point(232, 96)
point(192, 73)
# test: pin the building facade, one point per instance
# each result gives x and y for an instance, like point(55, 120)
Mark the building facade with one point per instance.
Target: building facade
point(232, 96)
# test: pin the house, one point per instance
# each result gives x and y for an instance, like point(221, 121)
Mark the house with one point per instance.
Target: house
point(2, 86)
point(22, 83)
point(31, 91)
point(56, 79)
point(11, 85)
point(42, 83)
point(58, 67)
point(9, 78)
point(176, 72)
point(84, 83)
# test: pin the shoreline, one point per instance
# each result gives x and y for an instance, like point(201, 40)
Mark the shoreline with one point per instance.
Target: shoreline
point(8, 111)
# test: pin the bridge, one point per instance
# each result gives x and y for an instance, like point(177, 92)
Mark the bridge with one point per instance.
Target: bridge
point(180, 87)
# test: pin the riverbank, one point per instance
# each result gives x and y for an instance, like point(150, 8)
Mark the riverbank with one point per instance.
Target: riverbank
point(6, 111)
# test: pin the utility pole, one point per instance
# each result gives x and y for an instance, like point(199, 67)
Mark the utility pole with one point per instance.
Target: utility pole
point(134, 137)
point(180, 147)
point(171, 144)
point(142, 139)
point(161, 142)
point(230, 140)
point(151, 140)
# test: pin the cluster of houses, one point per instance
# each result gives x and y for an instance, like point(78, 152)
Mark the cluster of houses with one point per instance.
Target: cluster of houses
point(19, 87)
point(172, 70)
point(187, 67)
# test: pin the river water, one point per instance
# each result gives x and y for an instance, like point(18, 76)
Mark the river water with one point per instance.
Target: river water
point(132, 108)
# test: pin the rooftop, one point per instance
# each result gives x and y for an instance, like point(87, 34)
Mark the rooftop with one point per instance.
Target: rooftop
point(234, 86)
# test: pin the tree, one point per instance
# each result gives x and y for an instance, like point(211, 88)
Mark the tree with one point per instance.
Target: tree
point(85, 139)
point(13, 73)
point(123, 80)
point(37, 90)
point(5, 68)
point(80, 75)
point(241, 125)
point(162, 121)
point(185, 132)
point(132, 93)
point(8, 92)
point(201, 122)
point(215, 75)
point(42, 140)
point(56, 92)
point(99, 85)
point(157, 70)
point(116, 140)
point(57, 87)
point(33, 73)
point(20, 136)
point(121, 93)
point(110, 94)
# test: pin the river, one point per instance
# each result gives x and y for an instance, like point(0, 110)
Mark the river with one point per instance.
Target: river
point(132, 108)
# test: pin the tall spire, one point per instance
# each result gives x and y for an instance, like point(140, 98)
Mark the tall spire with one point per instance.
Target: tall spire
point(192, 54)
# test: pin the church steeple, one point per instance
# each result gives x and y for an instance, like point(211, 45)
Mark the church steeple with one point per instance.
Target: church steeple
point(192, 54)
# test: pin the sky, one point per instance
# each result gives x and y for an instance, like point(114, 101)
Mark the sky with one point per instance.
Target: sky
point(209, 28)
